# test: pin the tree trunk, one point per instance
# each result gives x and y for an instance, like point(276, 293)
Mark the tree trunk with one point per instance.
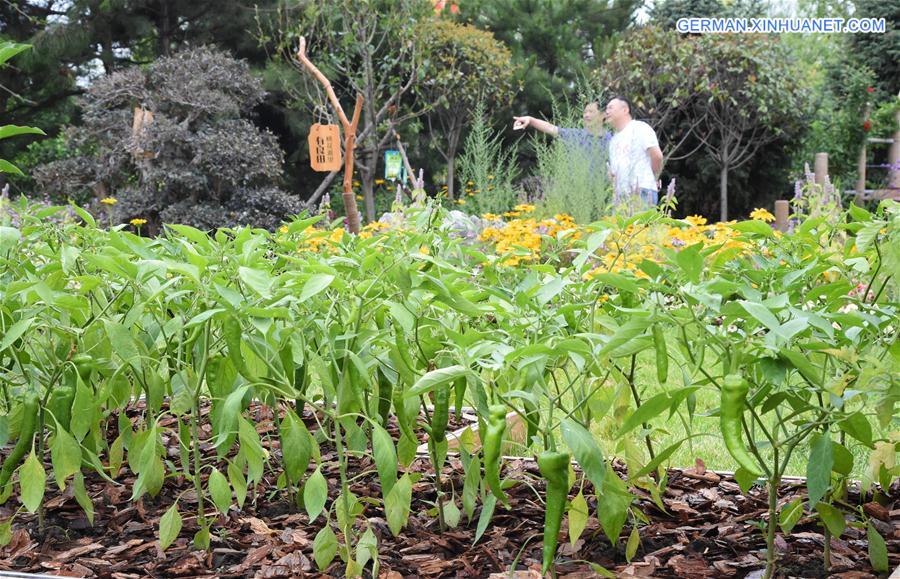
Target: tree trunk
point(369, 194)
point(723, 192)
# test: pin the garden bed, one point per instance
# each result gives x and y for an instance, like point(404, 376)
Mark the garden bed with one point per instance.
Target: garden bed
point(707, 529)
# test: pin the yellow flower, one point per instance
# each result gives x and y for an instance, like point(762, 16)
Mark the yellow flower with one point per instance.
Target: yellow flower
point(470, 183)
point(511, 214)
point(109, 201)
point(759, 214)
point(696, 220)
point(490, 216)
point(337, 235)
point(138, 222)
point(424, 250)
point(365, 234)
point(379, 181)
point(524, 208)
point(359, 197)
point(490, 177)
point(283, 229)
point(460, 201)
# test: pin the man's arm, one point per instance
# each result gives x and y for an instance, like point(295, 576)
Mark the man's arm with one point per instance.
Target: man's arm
point(520, 123)
point(656, 160)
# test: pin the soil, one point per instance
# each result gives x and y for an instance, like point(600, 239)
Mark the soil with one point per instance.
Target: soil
point(708, 529)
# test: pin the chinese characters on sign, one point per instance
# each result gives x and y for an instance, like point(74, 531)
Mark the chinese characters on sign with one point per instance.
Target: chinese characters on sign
point(325, 147)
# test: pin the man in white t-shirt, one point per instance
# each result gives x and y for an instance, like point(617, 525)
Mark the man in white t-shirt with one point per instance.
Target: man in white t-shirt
point(635, 159)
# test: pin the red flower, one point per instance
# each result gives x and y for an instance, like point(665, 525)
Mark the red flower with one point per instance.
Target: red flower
point(870, 90)
point(867, 126)
point(454, 9)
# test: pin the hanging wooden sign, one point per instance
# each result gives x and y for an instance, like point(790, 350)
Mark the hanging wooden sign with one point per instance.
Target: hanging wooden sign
point(325, 148)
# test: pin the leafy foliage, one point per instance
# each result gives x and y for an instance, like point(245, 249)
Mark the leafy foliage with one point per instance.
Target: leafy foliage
point(196, 160)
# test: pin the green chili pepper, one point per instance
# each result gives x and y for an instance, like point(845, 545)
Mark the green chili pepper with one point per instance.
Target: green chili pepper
point(734, 399)
point(385, 395)
point(441, 415)
point(459, 390)
point(85, 365)
point(493, 442)
point(30, 410)
point(554, 467)
point(662, 355)
point(231, 330)
point(60, 402)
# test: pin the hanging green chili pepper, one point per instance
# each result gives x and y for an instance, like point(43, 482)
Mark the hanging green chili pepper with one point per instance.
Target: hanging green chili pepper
point(459, 390)
point(441, 415)
point(493, 442)
point(60, 402)
point(733, 401)
point(662, 355)
point(30, 410)
point(385, 395)
point(231, 330)
point(554, 467)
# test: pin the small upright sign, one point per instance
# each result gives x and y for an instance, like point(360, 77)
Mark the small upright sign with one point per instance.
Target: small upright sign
point(393, 166)
point(325, 147)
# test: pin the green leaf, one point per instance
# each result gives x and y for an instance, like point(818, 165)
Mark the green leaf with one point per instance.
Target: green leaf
point(238, 482)
point(10, 49)
point(585, 451)
point(613, 501)
point(296, 446)
point(878, 555)
point(7, 167)
point(754, 227)
point(818, 468)
point(7, 131)
point(435, 378)
point(325, 547)
point(451, 513)
point(833, 518)
point(790, 514)
point(690, 261)
point(315, 494)
point(219, 490)
point(258, 280)
point(648, 409)
point(856, 425)
point(487, 512)
point(65, 454)
point(599, 569)
point(6, 532)
point(397, 504)
point(169, 527)
point(14, 332)
point(624, 334)
point(616, 280)
point(123, 343)
point(578, 517)
point(843, 459)
point(315, 285)
point(84, 500)
point(385, 458)
point(84, 408)
point(32, 482)
point(634, 541)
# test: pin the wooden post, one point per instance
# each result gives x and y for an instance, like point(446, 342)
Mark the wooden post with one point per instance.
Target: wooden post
point(894, 158)
point(861, 164)
point(349, 127)
point(782, 212)
point(821, 168)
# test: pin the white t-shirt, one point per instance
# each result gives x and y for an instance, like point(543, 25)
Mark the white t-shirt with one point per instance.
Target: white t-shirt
point(629, 160)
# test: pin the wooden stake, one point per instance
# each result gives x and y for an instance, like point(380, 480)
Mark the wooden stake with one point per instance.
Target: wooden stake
point(349, 126)
point(782, 211)
point(821, 168)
